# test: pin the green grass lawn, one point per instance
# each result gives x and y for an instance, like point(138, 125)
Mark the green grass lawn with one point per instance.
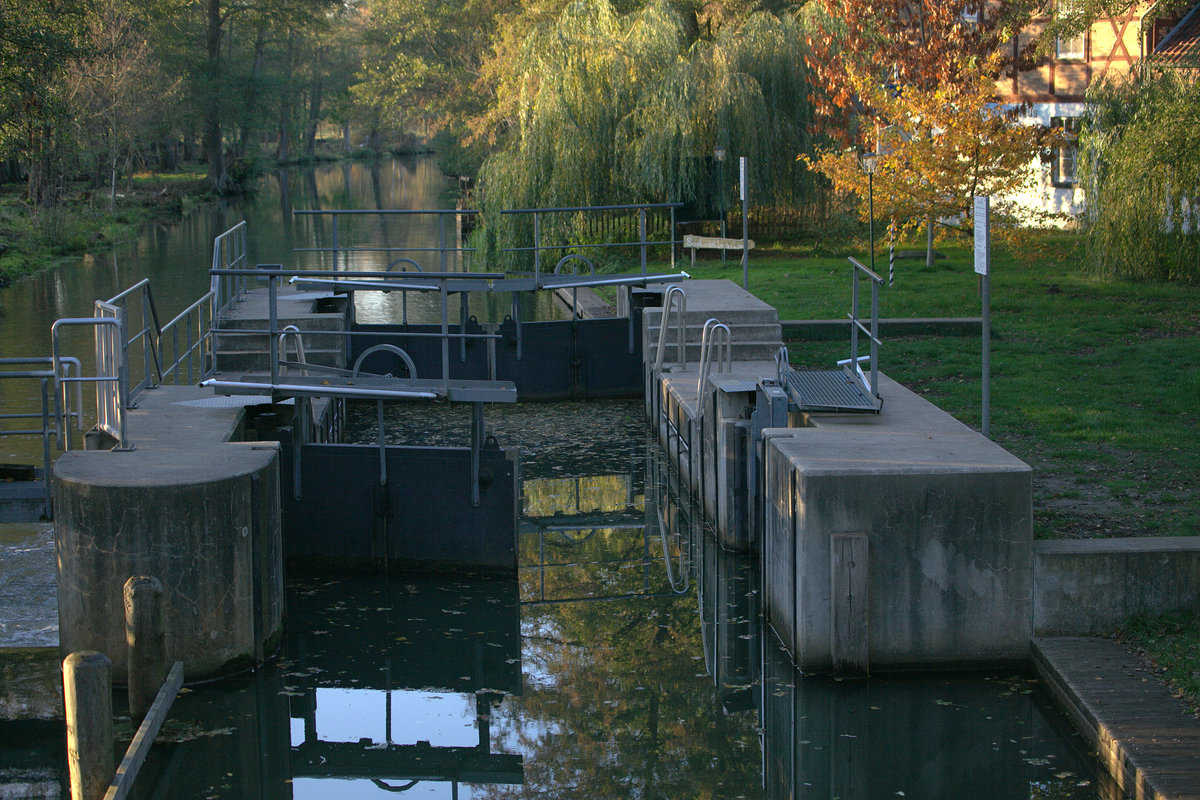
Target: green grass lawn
point(1095, 382)
point(1172, 643)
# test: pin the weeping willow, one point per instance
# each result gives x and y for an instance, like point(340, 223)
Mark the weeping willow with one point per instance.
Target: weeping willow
point(1141, 167)
point(611, 108)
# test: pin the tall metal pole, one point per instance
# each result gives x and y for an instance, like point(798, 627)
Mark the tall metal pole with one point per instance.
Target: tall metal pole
point(871, 215)
point(745, 225)
point(987, 354)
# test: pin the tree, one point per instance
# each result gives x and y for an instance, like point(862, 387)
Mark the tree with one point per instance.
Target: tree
point(594, 107)
point(1141, 167)
point(36, 42)
point(945, 145)
point(865, 51)
point(116, 88)
point(424, 57)
point(902, 43)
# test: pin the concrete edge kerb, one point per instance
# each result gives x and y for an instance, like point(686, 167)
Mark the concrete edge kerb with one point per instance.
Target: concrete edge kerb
point(1114, 754)
point(1125, 544)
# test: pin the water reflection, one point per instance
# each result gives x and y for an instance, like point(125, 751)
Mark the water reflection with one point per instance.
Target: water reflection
point(401, 681)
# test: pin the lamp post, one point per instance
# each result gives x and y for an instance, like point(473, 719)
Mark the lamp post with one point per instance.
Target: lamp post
point(869, 161)
point(719, 155)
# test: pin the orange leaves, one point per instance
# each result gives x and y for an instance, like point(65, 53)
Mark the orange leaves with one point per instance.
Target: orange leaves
point(938, 146)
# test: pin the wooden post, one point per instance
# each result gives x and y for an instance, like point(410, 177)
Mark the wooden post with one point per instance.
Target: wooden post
point(146, 638)
point(848, 596)
point(127, 770)
point(87, 697)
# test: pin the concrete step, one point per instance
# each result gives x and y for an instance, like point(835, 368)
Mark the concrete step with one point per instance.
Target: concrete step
point(260, 361)
point(262, 341)
point(747, 331)
point(758, 350)
point(305, 322)
point(730, 316)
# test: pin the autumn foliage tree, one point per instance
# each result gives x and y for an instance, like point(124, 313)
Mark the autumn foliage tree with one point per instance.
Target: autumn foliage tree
point(948, 144)
point(915, 79)
point(922, 44)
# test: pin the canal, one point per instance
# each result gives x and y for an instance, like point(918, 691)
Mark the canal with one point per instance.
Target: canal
point(627, 658)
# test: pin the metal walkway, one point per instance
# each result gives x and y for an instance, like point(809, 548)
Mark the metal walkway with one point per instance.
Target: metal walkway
point(827, 390)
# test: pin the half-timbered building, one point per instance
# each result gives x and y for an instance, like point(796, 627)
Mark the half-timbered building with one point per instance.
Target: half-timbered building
point(1054, 90)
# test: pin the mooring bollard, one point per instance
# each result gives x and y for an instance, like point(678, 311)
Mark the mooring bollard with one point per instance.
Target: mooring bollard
point(146, 638)
point(87, 696)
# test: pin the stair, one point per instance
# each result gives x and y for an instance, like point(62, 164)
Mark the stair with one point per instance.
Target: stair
point(755, 332)
point(322, 319)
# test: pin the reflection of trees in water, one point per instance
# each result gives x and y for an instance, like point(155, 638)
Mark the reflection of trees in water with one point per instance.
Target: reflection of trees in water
point(544, 497)
point(622, 711)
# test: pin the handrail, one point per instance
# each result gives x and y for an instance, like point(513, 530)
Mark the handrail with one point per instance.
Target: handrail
point(440, 213)
point(293, 333)
point(111, 388)
point(191, 321)
point(568, 259)
point(229, 250)
point(643, 243)
point(854, 363)
point(337, 212)
point(574, 209)
point(149, 334)
point(388, 348)
point(63, 412)
point(672, 292)
point(403, 292)
point(714, 326)
point(412, 373)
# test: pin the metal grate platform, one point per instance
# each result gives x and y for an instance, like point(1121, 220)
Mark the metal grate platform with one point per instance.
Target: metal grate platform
point(828, 390)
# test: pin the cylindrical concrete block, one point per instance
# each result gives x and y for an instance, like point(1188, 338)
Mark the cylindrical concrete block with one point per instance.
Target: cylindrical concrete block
point(87, 695)
point(144, 636)
point(205, 522)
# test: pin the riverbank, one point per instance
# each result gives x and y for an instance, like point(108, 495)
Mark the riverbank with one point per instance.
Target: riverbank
point(32, 240)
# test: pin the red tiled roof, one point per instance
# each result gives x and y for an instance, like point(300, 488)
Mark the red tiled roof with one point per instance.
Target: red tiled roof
point(1181, 47)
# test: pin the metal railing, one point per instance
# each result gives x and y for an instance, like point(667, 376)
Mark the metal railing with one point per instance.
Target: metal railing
point(673, 291)
point(642, 243)
point(229, 252)
point(111, 386)
point(854, 363)
point(186, 342)
point(56, 414)
point(440, 282)
point(716, 336)
point(336, 249)
point(143, 337)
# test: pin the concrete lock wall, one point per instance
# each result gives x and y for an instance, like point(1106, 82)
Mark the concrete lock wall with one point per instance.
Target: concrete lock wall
point(212, 537)
point(904, 542)
point(1088, 587)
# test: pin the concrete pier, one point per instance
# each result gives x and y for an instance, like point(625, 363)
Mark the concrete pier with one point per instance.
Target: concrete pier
point(190, 506)
point(947, 521)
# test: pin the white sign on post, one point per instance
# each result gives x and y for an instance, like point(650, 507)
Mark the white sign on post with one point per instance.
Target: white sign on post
point(983, 266)
point(982, 245)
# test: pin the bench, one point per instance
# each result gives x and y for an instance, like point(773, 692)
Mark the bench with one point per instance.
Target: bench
point(695, 243)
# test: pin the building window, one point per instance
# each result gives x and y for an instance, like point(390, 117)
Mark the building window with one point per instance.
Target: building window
point(1069, 49)
point(1063, 163)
